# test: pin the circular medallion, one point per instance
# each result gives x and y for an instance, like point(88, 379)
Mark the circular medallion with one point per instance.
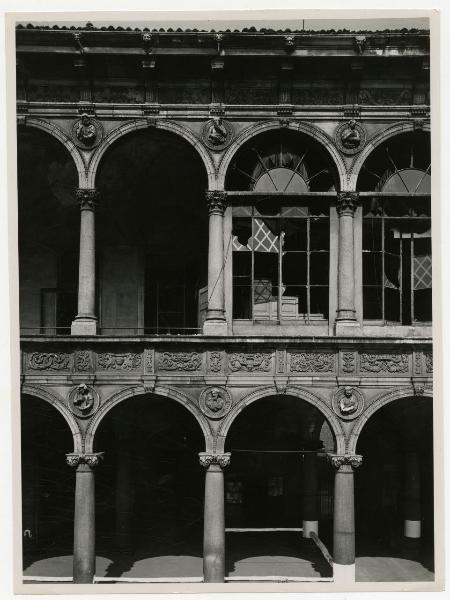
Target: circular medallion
point(215, 402)
point(350, 137)
point(87, 132)
point(217, 134)
point(83, 400)
point(348, 403)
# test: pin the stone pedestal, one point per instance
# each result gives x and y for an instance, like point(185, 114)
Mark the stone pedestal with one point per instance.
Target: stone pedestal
point(85, 322)
point(84, 521)
point(346, 313)
point(214, 517)
point(344, 517)
point(215, 323)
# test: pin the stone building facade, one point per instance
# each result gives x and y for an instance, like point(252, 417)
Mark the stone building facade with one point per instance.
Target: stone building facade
point(231, 230)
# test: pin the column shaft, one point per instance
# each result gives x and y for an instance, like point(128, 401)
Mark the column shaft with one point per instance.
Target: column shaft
point(215, 316)
point(412, 528)
point(344, 517)
point(214, 526)
point(310, 506)
point(84, 526)
point(346, 276)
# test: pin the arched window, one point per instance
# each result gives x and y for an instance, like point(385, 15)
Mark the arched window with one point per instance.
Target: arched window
point(397, 279)
point(280, 228)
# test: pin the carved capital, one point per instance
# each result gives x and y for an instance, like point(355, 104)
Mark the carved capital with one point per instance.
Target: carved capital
point(216, 201)
point(92, 460)
point(347, 203)
point(87, 198)
point(206, 459)
point(339, 461)
point(289, 44)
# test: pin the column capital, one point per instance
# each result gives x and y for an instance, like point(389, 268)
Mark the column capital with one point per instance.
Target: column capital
point(207, 459)
point(216, 201)
point(345, 460)
point(91, 460)
point(87, 197)
point(347, 203)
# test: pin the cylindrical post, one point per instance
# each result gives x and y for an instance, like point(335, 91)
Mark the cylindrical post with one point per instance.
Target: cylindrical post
point(85, 322)
point(84, 521)
point(214, 517)
point(412, 526)
point(346, 206)
point(310, 506)
point(215, 316)
point(344, 517)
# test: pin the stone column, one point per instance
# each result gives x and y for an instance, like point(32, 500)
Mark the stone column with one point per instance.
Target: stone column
point(413, 524)
point(84, 521)
point(214, 517)
point(344, 517)
point(85, 322)
point(310, 511)
point(215, 322)
point(346, 206)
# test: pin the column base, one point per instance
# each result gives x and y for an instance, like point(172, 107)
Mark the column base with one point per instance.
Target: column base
point(347, 328)
point(344, 574)
point(412, 529)
point(215, 327)
point(84, 326)
point(310, 527)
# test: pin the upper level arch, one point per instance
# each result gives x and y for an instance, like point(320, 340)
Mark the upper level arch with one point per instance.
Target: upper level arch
point(387, 134)
point(137, 125)
point(57, 133)
point(316, 136)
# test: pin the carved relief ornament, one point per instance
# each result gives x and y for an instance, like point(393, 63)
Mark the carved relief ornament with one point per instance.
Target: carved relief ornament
point(119, 362)
point(216, 201)
point(313, 362)
point(206, 459)
point(347, 203)
point(49, 361)
point(83, 401)
point(87, 132)
point(250, 362)
point(215, 402)
point(384, 363)
point(348, 403)
point(350, 137)
point(215, 361)
point(217, 133)
point(87, 198)
point(180, 361)
point(83, 360)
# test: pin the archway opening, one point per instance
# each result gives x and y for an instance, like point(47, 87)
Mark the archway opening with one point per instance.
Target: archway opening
point(278, 489)
point(48, 488)
point(149, 489)
point(48, 230)
point(394, 493)
point(152, 235)
point(396, 237)
point(281, 228)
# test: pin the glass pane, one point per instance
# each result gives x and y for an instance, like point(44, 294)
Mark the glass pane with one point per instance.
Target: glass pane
point(242, 233)
point(295, 236)
point(372, 303)
point(372, 229)
point(294, 301)
point(265, 277)
point(422, 305)
point(294, 211)
point(319, 268)
point(294, 268)
point(372, 272)
point(392, 271)
point(319, 301)
point(392, 304)
point(319, 234)
point(242, 211)
point(242, 271)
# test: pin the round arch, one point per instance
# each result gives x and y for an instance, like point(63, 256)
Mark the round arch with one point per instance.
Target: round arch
point(379, 138)
point(301, 127)
point(295, 391)
point(138, 124)
point(58, 403)
point(62, 137)
point(379, 402)
point(130, 392)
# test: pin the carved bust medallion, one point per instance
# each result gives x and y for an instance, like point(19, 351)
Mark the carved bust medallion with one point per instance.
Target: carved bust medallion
point(83, 400)
point(217, 133)
point(350, 137)
point(348, 403)
point(87, 132)
point(215, 402)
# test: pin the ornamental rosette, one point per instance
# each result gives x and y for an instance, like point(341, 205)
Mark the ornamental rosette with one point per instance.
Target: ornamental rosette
point(206, 459)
